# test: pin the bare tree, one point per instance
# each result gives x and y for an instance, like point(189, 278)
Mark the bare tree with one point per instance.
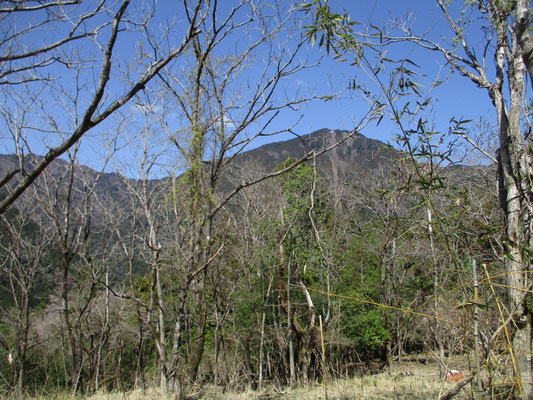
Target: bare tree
point(65, 197)
point(25, 57)
point(46, 81)
point(24, 266)
point(156, 217)
point(211, 111)
point(507, 41)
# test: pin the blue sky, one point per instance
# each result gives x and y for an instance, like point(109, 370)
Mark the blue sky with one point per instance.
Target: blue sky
point(457, 97)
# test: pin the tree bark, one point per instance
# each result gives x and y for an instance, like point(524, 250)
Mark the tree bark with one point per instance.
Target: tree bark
point(515, 196)
point(436, 273)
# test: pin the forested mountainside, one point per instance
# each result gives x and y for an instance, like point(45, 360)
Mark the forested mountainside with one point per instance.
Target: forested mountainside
point(359, 163)
point(358, 153)
point(356, 160)
point(98, 271)
point(356, 164)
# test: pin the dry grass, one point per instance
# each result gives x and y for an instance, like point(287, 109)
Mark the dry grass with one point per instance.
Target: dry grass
point(423, 384)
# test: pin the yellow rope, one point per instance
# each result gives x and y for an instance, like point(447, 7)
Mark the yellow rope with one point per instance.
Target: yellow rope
point(511, 287)
point(375, 303)
point(507, 334)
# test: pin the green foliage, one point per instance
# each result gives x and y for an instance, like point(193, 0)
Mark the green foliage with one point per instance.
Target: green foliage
point(364, 326)
point(362, 323)
point(305, 199)
point(335, 30)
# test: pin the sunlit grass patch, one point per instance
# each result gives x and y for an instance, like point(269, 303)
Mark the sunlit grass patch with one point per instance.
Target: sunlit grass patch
point(409, 381)
point(375, 387)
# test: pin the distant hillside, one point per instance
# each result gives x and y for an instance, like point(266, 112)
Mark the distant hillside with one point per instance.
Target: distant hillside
point(107, 186)
point(358, 153)
point(359, 161)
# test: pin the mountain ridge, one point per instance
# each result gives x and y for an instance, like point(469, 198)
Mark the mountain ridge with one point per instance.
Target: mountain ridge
point(269, 155)
point(358, 161)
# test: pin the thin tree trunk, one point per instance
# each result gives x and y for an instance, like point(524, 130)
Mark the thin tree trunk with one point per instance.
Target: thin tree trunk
point(161, 325)
point(199, 341)
point(438, 336)
point(103, 333)
point(139, 370)
point(476, 327)
point(292, 365)
point(262, 341)
point(67, 327)
point(307, 334)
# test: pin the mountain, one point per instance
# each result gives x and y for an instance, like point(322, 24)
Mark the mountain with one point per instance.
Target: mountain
point(355, 161)
point(358, 161)
point(358, 150)
point(357, 155)
point(107, 185)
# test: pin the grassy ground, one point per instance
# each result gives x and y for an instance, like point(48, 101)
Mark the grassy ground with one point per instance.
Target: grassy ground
point(423, 384)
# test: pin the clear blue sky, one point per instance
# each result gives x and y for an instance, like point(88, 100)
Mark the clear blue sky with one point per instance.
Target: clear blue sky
point(458, 97)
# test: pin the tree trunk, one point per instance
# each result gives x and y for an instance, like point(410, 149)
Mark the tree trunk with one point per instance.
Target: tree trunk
point(307, 335)
point(199, 341)
point(104, 333)
point(67, 326)
point(262, 342)
point(515, 197)
point(292, 363)
point(305, 360)
point(197, 349)
point(139, 370)
point(438, 336)
point(261, 346)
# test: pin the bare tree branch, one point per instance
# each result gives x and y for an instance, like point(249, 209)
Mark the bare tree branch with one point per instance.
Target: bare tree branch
point(89, 121)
